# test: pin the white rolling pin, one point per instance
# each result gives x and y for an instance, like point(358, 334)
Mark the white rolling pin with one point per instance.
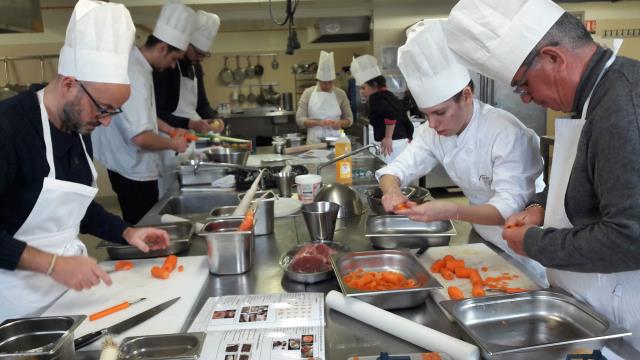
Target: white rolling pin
point(168, 218)
point(301, 148)
point(405, 329)
point(242, 208)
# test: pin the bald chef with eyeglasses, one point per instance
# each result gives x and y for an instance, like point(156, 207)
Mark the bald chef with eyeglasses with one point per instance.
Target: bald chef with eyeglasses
point(47, 177)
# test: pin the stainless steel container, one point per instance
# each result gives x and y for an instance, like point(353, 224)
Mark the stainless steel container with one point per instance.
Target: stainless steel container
point(539, 324)
point(320, 218)
point(227, 155)
point(44, 338)
point(294, 139)
point(264, 212)
point(205, 175)
point(278, 146)
point(163, 347)
point(343, 195)
point(284, 182)
point(222, 211)
point(385, 260)
point(229, 251)
point(179, 241)
point(308, 278)
point(374, 194)
point(393, 231)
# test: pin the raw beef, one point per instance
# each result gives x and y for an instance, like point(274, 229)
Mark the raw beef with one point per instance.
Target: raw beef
point(312, 258)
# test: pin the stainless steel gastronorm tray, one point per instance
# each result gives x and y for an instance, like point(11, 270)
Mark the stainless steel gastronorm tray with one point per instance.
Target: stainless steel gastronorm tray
point(385, 260)
point(179, 241)
point(393, 231)
point(162, 347)
point(538, 324)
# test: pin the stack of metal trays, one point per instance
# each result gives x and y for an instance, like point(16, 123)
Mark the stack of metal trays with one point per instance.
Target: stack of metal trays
point(398, 231)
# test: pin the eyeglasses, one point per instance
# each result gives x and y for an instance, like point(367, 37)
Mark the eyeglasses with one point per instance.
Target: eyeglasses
point(528, 63)
point(104, 112)
point(202, 53)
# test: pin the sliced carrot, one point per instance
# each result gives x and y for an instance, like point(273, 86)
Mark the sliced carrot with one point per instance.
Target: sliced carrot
point(437, 266)
point(477, 291)
point(123, 265)
point(448, 257)
point(431, 356)
point(455, 293)
point(514, 290)
point(402, 206)
point(160, 273)
point(247, 223)
point(452, 265)
point(447, 274)
point(484, 269)
point(463, 272)
point(180, 268)
point(476, 279)
point(170, 263)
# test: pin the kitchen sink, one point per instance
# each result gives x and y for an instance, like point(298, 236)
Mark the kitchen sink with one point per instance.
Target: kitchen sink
point(194, 203)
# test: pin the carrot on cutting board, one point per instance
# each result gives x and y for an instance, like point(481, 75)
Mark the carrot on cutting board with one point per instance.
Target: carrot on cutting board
point(447, 274)
point(477, 291)
point(463, 272)
point(455, 293)
point(170, 263)
point(437, 266)
point(160, 273)
point(123, 265)
point(180, 268)
point(453, 264)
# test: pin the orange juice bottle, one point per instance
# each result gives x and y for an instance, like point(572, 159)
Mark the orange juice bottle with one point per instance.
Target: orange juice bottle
point(344, 166)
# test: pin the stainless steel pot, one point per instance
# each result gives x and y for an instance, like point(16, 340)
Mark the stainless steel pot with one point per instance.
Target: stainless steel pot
point(229, 251)
point(227, 155)
point(43, 338)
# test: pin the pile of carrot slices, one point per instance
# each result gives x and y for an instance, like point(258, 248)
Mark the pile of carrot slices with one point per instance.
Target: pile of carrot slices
point(170, 264)
point(450, 268)
point(378, 280)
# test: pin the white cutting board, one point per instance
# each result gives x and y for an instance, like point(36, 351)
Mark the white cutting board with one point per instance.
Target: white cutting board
point(134, 284)
point(474, 256)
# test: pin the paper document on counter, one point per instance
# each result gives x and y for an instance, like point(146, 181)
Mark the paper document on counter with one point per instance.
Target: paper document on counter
point(276, 326)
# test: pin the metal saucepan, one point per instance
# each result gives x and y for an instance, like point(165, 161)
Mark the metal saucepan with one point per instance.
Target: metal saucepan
point(251, 97)
point(274, 64)
point(258, 69)
point(241, 97)
point(226, 75)
point(250, 70)
point(238, 73)
point(261, 100)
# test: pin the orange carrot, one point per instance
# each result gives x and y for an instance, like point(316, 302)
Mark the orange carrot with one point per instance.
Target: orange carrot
point(402, 206)
point(447, 274)
point(455, 293)
point(180, 268)
point(477, 291)
point(430, 356)
point(170, 263)
point(448, 258)
point(437, 266)
point(462, 272)
point(159, 273)
point(247, 223)
point(453, 264)
point(476, 279)
point(484, 269)
point(123, 265)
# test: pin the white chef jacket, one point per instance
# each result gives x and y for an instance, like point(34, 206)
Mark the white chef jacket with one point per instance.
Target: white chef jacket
point(113, 145)
point(495, 160)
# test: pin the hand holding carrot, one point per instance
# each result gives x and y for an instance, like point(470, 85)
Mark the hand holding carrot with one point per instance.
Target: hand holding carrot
point(435, 210)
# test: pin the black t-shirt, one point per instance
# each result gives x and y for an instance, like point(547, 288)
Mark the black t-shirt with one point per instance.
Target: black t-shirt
point(385, 107)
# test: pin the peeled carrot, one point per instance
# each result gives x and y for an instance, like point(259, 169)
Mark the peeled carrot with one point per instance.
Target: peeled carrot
point(247, 223)
point(463, 272)
point(123, 265)
point(431, 356)
point(160, 273)
point(447, 274)
point(477, 291)
point(170, 263)
point(373, 280)
point(453, 264)
point(455, 293)
point(180, 268)
point(402, 206)
point(437, 266)
point(484, 269)
point(476, 279)
point(448, 258)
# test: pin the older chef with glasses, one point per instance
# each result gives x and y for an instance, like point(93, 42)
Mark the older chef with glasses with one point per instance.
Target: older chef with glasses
point(590, 234)
point(47, 177)
point(486, 151)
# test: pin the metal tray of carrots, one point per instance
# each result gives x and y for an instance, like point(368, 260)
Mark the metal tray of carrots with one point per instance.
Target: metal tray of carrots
point(379, 264)
point(179, 241)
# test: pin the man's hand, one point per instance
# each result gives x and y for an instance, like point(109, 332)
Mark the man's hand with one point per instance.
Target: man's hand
point(389, 201)
point(146, 238)
point(199, 126)
point(435, 210)
point(386, 146)
point(79, 272)
point(217, 126)
point(514, 235)
point(179, 144)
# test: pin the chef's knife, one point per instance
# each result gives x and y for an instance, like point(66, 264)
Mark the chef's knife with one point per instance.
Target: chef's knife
point(123, 325)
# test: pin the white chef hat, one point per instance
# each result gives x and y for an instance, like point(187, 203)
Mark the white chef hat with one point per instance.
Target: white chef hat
point(175, 24)
point(432, 71)
point(364, 68)
point(205, 30)
point(494, 37)
point(326, 68)
point(97, 43)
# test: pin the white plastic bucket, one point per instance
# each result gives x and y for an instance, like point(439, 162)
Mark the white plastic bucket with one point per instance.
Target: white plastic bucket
point(308, 186)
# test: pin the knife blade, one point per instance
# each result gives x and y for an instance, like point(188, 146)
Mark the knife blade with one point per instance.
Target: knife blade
point(124, 325)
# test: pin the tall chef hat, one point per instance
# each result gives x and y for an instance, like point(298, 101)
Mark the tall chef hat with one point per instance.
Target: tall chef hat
point(494, 37)
point(326, 68)
point(205, 30)
point(432, 71)
point(97, 43)
point(175, 24)
point(364, 68)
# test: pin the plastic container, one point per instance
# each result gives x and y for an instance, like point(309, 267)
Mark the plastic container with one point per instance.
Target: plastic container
point(344, 167)
point(308, 186)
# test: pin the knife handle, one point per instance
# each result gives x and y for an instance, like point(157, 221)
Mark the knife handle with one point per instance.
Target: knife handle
point(89, 338)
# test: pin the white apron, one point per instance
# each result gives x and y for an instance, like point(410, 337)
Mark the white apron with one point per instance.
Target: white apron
point(187, 105)
point(614, 295)
point(52, 226)
point(322, 105)
point(397, 145)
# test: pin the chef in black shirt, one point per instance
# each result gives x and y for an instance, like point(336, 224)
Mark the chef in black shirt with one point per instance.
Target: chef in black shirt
point(47, 177)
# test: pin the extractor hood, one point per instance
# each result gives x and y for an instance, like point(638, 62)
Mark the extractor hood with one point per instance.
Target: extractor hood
point(18, 16)
point(340, 29)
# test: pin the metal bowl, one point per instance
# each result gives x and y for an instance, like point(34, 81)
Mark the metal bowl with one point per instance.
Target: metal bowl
point(227, 155)
point(343, 195)
point(309, 278)
point(374, 197)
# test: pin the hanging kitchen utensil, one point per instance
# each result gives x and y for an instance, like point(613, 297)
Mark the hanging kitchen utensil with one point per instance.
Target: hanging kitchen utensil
point(249, 71)
point(261, 100)
point(258, 69)
point(6, 91)
point(241, 96)
point(238, 73)
point(274, 64)
point(251, 97)
point(226, 75)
